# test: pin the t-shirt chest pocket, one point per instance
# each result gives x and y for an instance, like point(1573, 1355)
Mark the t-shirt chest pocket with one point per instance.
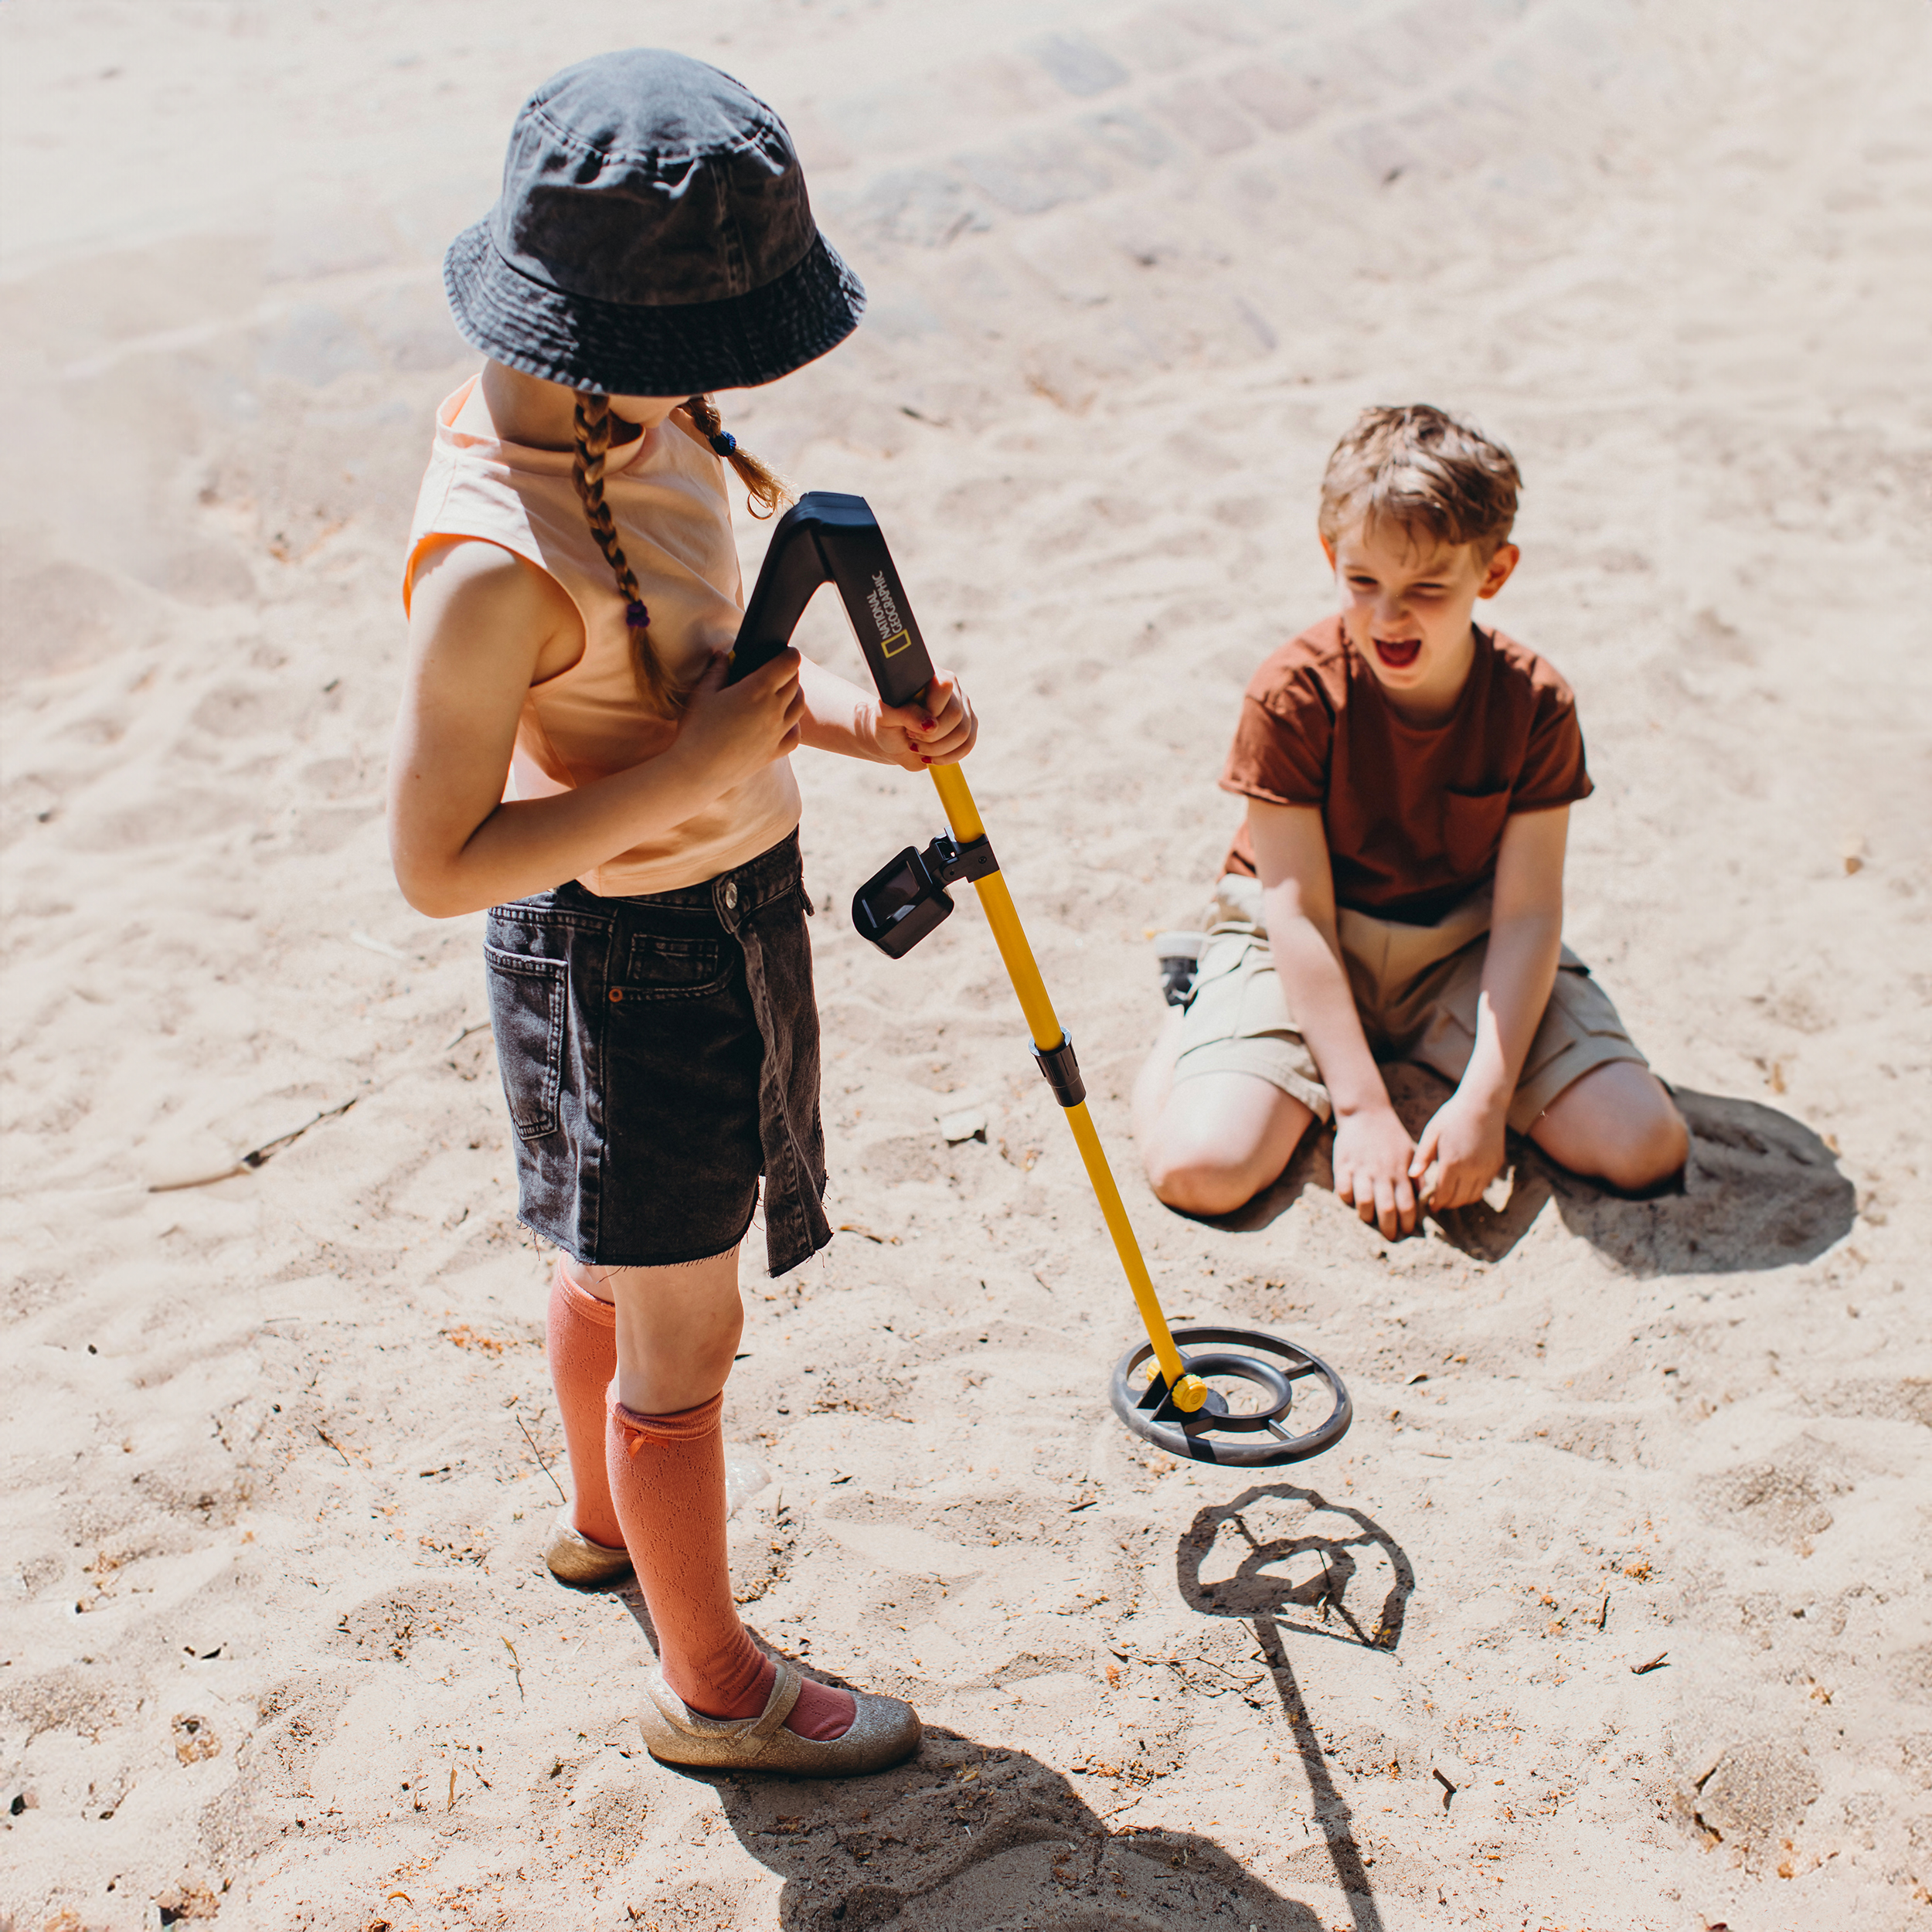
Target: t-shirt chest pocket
point(656, 968)
point(1472, 826)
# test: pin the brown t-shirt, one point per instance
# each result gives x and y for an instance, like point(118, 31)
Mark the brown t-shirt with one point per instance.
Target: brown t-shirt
point(1414, 815)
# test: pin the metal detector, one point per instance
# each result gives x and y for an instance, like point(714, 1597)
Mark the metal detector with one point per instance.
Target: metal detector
point(1163, 1394)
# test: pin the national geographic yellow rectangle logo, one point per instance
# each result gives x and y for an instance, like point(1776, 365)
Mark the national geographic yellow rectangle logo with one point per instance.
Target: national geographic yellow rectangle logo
point(895, 643)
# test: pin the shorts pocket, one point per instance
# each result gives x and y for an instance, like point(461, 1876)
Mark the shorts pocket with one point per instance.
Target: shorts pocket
point(1579, 1021)
point(527, 999)
point(1585, 1003)
point(666, 968)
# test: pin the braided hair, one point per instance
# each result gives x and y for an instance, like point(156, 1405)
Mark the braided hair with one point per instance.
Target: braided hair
point(762, 485)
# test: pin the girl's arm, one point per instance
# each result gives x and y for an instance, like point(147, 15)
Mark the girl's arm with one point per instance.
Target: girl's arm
point(1462, 1148)
point(1371, 1146)
point(482, 623)
point(839, 716)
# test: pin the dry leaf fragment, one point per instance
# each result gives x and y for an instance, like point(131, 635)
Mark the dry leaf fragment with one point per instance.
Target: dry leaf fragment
point(194, 1739)
point(189, 1902)
point(464, 1336)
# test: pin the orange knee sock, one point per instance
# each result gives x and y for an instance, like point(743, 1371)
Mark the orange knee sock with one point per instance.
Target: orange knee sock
point(667, 1475)
point(582, 1347)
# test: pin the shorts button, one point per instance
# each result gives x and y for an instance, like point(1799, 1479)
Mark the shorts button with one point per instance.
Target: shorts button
point(731, 895)
point(617, 992)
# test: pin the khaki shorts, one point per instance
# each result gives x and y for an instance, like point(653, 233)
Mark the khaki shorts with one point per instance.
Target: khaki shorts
point(1415, 989)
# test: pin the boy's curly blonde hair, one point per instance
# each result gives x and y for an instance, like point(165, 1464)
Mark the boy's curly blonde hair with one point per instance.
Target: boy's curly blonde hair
point(1424, 470)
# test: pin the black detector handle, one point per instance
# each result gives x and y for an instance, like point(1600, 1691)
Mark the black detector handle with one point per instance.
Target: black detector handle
point(827, 538)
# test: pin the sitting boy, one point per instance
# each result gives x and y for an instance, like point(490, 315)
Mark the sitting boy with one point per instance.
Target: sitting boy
point(1397, 891)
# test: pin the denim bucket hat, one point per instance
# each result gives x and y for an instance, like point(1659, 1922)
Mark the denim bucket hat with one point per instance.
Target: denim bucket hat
point(653, 238)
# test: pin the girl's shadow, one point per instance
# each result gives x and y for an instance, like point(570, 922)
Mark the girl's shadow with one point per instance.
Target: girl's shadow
point(969, 1835)
point(965, 1834)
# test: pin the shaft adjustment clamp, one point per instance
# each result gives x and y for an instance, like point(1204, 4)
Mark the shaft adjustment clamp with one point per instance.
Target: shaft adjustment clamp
point(1062, 1071)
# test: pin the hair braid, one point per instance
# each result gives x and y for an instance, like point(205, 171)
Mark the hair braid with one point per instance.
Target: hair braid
point(587, 472)
point(762, 485)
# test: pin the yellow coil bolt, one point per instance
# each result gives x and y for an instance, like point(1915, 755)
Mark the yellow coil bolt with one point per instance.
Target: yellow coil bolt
point(1189, 1392)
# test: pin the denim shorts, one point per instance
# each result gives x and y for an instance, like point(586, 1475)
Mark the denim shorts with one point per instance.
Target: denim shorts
point(658, 1054)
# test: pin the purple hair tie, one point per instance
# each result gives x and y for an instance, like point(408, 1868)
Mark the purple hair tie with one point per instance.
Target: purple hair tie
point(636, 615)
point(724, 442)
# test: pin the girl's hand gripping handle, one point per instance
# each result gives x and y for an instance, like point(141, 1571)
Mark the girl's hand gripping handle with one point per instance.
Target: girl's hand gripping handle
point(729, 732)
point(938, 729)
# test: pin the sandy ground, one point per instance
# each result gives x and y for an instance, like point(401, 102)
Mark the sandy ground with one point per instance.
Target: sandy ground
point(278, 1649)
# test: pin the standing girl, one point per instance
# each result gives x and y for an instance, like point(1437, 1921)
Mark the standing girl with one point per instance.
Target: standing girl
point(573, 591)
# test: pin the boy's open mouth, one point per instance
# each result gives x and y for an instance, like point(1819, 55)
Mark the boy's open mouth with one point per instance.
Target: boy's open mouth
point(1397, 654)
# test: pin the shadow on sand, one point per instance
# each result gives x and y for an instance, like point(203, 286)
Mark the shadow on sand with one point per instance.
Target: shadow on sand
point(969, 1838)
point(1290, 1563)
point(1760, 1190)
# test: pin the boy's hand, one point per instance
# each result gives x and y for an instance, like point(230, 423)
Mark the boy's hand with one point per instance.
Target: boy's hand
point(1373, 1168)
point(939, 729)
point(1461, 1152)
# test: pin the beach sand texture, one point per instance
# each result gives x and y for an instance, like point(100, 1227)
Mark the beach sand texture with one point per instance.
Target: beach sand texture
point(277, 1649)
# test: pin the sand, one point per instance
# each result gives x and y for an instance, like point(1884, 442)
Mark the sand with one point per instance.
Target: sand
point(277, 1648)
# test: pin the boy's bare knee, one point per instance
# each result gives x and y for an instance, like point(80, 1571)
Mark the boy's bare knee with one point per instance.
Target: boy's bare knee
point(1668, 1144)
point(1195, 1186)
point(1648, 1152)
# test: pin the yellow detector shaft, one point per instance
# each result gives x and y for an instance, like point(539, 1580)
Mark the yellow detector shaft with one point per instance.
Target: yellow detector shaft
point(1186, 1392)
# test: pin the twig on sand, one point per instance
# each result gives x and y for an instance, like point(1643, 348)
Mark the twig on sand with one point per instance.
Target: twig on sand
point(1448, 1790)
point(1603, 1615)
point(333, 1444)
point(369, 943)
point(1656, 1663)
point(256, 1156)
point(540, 1463)
point(516, 1669)
point(883, 1240)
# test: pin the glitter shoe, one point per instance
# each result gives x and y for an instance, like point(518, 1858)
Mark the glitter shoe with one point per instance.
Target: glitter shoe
point(883, 1731)
point(572, 1557)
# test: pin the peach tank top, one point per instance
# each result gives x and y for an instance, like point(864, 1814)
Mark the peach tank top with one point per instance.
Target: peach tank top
point(666, 492)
